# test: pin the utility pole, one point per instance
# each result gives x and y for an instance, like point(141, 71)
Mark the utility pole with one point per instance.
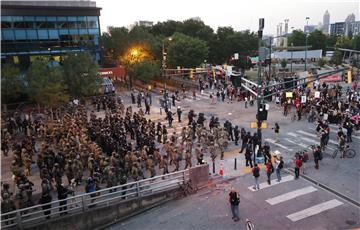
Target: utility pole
point(259, 92)
point(306, 40)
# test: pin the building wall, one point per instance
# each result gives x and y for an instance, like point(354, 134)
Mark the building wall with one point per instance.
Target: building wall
point(25, 35)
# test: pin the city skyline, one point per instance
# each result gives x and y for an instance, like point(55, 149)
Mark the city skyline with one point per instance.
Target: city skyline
point(239, 17)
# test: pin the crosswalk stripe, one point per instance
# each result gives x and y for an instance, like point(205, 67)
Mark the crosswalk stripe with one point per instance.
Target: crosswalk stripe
point(299, 144)
point(277, 144)
point(316, 209)
point(303, 138)
point(314, 135)
point(273, 183)
point(291, 195)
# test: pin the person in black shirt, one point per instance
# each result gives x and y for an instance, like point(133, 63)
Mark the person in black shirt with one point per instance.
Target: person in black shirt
point(234, 202)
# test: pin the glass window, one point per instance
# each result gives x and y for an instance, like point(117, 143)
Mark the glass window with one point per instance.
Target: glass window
point(53, 34)
point(63, 32)
point(83, 31)
point(72, 19)
point(62, 19)
point(62, 25)
point(43, 34)
point(93, 31)
point(20, 34)
point(44, 25)
point(29, 18)
point(25, 25)
point(73, 31)
point(31, 34)
point(17, 18)
point(5, 24)
point(51, 19)
point(7, 34)
point(6, 18)
point(71, 25)
point(41, 19)
point(82, 24)
point(92, 22)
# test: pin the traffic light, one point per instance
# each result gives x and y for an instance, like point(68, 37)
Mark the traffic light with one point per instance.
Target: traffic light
point(262, 113)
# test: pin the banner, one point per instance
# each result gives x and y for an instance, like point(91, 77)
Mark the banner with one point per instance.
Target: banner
point(317, 94)
point(289, 94)
point(303, 99)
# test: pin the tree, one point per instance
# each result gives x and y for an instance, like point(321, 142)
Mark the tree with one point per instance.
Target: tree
point(331, 41)
point(46, 85)
point(11, 84)
point(336, 59)
point(321, 62)
point(283, 63)
point(81, 75)
point(298, 38)
point(144, 70)
point(166, 29)
point(343, 42)
point(356, 42)
point(115, 42)
point(186, 51)
point(317, 40)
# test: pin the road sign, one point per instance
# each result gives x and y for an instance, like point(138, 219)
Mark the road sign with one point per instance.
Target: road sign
point(253, 125)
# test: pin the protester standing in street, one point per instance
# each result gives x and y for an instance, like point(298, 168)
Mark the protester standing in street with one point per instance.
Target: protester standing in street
point(279, 165)
point(269, 171)
point(234, 199)
point(297, 167)
point(256, 174)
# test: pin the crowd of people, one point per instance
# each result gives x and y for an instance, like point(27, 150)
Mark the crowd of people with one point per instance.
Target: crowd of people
point(74, 146)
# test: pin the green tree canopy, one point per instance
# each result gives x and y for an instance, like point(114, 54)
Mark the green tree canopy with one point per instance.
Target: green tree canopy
point(297, 37)
point(343, 42)
point(186, 51)
point(336, 59)
point(317, 40)
point(81, 75)
point(356, 42)
point(46, 85)
point(11, 84)
point(144, 70)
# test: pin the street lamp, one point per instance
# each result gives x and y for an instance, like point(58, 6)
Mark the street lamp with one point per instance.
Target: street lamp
point(306, 40)
point(134, 53)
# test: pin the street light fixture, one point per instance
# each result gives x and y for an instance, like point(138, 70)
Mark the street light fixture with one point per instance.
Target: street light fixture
point(306, 40)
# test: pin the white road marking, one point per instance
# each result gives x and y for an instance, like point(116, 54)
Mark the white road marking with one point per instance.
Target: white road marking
point(303, 138)
point(277, 144)
point(316, 209)
point(273, 182)
point(299, 144)
point(314, 135)
point(291, 195)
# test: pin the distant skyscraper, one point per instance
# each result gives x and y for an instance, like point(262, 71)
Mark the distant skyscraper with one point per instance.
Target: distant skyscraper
point(349, 24)
point(326, 22)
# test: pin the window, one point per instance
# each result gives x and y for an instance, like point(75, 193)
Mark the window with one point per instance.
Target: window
point(92, 22)
point(63, 32)
point(41, 19)
point(51, 19)
point(25, 25)
point(20, 34)
point(44, 25)
point(53, 34)
point(83, 31)
point(5, 24)
point(31, 34)
point(73, 31)
point(93, 31)
point(43, 34)
point(71, 25)
point(7, 34)
point(17, 18)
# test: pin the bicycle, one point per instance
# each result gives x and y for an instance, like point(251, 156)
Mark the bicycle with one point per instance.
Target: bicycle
point(349, 153)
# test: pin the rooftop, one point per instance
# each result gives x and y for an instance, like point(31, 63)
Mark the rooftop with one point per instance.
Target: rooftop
point(53, 3)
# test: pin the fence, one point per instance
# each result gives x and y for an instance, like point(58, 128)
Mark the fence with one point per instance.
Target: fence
point(38, 214)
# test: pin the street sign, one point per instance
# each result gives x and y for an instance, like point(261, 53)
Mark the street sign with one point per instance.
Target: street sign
point(253, 125)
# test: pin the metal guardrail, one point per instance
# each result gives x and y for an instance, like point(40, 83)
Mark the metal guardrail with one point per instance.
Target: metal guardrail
point(35, 215)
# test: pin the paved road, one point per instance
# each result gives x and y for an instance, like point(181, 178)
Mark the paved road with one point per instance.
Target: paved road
point(294, 204)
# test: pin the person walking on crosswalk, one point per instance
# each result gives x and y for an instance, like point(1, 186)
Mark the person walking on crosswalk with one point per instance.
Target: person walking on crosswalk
point(256, 174)
point(297, 167)
point(269, 171)
point(279, 164)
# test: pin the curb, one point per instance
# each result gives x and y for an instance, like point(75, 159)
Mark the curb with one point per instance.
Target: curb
point(327, 188)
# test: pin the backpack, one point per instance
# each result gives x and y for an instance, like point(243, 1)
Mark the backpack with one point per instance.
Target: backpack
point(256, 172)
point(281, 164)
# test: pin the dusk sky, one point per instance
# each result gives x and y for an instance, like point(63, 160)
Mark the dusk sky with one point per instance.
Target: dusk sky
point(238, 14)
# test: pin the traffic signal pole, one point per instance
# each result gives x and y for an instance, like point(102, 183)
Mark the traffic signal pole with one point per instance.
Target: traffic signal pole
point(259, 93)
